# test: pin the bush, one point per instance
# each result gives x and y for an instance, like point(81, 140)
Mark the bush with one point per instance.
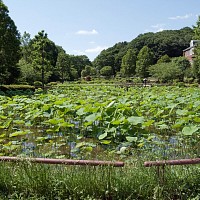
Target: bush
point(38, 83)
point(52, 83)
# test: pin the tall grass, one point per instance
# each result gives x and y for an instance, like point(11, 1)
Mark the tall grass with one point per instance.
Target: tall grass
point(25, 180)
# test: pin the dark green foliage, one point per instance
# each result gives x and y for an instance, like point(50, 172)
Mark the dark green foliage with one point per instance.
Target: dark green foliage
point(177, 69)
point(164, 59)
point(78, 63)
point(168, 42)
point(25, 47)
point(88, 71)
point(129, 63)
point(62, 70)
point(38, 84)
point(165, 72)
point(10, 90)
point(111, 57)
point(183, 64)
point(9, 47)
point(196, 64)
point(43, 55)
point(144, 60)
point(106, 71)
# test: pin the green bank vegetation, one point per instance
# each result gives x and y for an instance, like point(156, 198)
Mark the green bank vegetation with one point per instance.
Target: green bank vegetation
point(105, 123)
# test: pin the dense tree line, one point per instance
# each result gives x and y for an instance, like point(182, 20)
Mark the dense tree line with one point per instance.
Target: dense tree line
point(167, 42)
point(196, 65)
point(9, 47)
point(25, 60)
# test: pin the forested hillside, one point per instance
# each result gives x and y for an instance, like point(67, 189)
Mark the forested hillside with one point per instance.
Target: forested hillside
point(170, 42)
point(38, 59)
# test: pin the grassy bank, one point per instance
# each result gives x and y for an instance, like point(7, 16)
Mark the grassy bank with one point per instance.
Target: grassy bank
point(35, 181)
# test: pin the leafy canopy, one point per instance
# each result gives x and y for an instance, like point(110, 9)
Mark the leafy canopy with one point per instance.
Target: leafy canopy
point(9, 47)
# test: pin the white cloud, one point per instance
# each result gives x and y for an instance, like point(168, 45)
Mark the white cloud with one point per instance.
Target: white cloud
point(97, 49)
point(79, 52)
point(156, 28)
point(181, 17)
point(92, 42)
point(84, 32)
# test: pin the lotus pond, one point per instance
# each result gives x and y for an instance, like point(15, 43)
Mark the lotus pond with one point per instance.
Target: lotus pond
point(86, 121)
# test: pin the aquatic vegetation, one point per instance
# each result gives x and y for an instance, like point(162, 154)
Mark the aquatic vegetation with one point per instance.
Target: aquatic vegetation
point(81, 121)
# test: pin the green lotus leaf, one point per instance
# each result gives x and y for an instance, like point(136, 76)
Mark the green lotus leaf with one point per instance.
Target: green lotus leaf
point(135, 120)
point(18, 133)
point(189, 130)
point(131, 139)
point(102, 136)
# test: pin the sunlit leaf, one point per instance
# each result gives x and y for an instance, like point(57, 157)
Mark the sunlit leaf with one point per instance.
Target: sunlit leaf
point(88, 149)
point(80, 144)
point(181, 112)
point(66, 124)
point(19, 122)
point(102, 136)
point(18, 133)
point(93, 117)
point(2, 135)
point(113, 129)
point(189, 130)
point(110, 104)
point(80, 111)
point(40, 139)
point(135, 120)
point(197, 119)
point(122, 150)
point(131, 139)
point(7, 123)
point(148, 123)
point(3, 117)
point(105, 141)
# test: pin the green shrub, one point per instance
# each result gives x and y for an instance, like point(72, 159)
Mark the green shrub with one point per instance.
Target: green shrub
point(38, 83)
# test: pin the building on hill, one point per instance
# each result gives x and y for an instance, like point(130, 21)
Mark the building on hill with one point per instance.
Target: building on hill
point(189, 52)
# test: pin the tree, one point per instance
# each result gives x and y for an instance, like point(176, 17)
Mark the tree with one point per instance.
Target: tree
point(165, 72)
point(106, 71)
point(43, 55)
point(145, 59)
point(168, 71)
point(183, 64)
point(128, 65)
point(25, 46)
point(63, 66)
point(170, 42)
point(111, 57)
point(9, 47)
point(88, 71)
point(196, 64)
point(28, 74)
point(164, 59)
point(79, 63)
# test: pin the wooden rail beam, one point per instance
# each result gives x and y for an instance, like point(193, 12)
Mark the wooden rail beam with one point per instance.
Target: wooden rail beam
point(63, 161)
point(172, 162)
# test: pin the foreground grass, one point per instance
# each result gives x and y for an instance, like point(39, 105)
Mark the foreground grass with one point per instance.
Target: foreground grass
point(35, 181)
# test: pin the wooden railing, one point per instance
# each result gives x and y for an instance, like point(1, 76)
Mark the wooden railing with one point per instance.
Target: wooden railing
point(63, 161)
point(161, 166)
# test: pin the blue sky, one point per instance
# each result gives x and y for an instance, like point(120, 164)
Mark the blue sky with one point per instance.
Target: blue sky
point(85, 27)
